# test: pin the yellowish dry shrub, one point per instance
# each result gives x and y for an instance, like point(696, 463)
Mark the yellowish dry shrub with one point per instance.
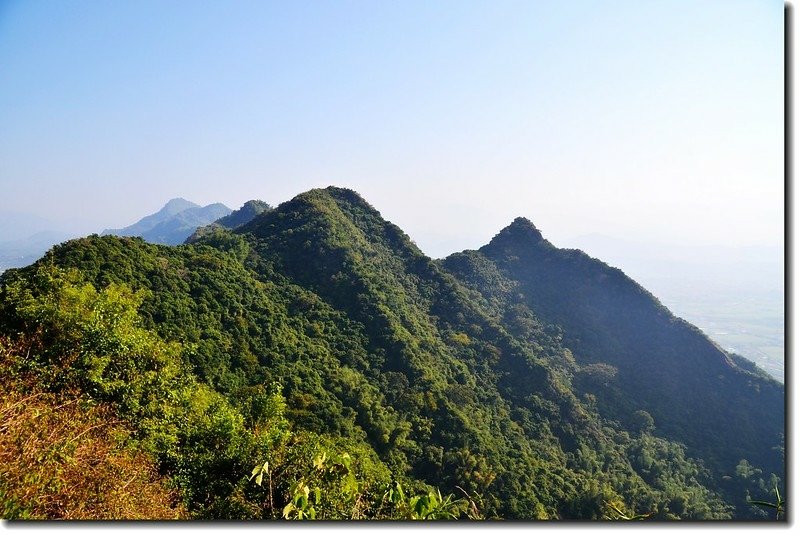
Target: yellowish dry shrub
point(64, 458)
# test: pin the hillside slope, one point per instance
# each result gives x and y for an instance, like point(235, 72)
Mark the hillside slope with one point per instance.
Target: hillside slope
point(697, 394)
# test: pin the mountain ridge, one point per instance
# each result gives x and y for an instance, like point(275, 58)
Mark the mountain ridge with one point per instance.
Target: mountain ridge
point(514, 372)
point(237, 218)
point(569, 288)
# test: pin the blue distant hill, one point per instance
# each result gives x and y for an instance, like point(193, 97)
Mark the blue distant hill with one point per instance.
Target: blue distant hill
point(175, 222)
point(23, 251)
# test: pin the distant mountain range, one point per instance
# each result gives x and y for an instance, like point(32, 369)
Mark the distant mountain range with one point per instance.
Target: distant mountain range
point(175, 222)
point(23, 251)
point(15, 226)
point(24, 238)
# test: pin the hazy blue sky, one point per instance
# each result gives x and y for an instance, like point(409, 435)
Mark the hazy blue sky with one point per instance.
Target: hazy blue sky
point(637, 119)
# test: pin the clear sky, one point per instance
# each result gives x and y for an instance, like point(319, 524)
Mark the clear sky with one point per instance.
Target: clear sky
point(642, 119)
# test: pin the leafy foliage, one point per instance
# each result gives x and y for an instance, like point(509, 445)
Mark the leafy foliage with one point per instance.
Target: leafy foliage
point(779, 505)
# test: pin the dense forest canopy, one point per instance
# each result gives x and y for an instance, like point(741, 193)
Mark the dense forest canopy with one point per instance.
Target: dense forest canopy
point(309, 361)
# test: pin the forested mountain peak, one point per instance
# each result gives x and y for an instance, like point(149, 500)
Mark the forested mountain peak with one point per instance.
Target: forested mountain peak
point(347, 201)
point(249, 211)
point(661, 364)
point(520, 233)
point(245, 214)
point(331, 219)
point(342, 195)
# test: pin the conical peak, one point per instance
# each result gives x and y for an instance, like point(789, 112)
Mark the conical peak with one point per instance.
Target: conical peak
point(521, 229)
point(178, 201)
point(523, 223)
point(177, 205)
point(521, 235)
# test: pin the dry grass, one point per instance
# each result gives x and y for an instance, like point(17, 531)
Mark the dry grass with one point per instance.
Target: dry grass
point(61, 458)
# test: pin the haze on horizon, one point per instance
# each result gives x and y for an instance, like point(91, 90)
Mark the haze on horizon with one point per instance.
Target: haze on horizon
point(644, 121)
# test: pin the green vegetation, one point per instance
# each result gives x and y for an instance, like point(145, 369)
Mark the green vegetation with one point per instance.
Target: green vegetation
point(313, 363)
point(243, 215)
point(778, 505)
point(696, 393)
point(235, 219)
